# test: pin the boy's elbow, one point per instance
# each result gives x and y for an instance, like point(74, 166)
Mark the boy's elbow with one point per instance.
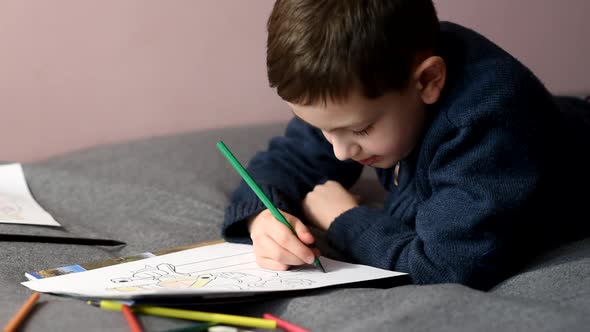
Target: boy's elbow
point(476, 277)
point(482, 273)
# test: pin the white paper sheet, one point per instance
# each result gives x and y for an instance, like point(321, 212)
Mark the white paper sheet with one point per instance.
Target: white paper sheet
point(17, 205)
point(220, 270)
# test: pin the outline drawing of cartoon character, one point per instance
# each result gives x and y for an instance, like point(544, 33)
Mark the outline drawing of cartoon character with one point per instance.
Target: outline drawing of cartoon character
point(165, 275)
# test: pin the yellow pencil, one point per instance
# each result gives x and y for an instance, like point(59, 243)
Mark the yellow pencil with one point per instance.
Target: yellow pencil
point(19, 317)
point(191, 315)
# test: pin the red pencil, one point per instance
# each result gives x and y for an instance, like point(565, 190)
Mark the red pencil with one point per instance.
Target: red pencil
point(131, 320)
point(289, 327)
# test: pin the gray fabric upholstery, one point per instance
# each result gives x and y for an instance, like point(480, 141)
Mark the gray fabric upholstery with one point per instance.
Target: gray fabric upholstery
point(171, 191)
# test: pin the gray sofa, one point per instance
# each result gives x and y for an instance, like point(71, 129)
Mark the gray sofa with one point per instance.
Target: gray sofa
point(171, 191)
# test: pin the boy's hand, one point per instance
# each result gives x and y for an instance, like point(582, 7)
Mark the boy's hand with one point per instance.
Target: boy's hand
point(275, 245)
point(326, 202)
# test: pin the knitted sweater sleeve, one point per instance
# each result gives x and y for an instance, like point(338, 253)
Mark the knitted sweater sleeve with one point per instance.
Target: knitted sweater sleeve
point(481, 180)
point(291, 166)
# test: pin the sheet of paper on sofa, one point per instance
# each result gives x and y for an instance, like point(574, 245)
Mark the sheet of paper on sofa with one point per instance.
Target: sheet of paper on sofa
point(220, 270)
point(17, 204)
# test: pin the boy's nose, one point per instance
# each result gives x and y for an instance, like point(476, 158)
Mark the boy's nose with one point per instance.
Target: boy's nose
point(343, 150)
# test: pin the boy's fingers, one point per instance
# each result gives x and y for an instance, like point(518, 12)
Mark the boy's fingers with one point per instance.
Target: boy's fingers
point(295, 248)
point(269, 264)
point(291, 243)
point(316, 252)
point(269, 248)
point(302, 231)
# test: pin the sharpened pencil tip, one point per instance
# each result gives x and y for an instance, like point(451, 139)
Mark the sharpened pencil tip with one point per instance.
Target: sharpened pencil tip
point(317, 263)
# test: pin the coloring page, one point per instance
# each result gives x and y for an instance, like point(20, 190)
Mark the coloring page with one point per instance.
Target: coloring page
point(217, 270)
point(17, 204)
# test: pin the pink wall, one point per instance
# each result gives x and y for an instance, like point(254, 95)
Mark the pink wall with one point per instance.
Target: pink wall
point(551, 37)
point(77, 73)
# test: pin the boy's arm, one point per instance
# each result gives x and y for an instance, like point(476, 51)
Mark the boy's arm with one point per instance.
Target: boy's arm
point(291, 166)
point(466, 231)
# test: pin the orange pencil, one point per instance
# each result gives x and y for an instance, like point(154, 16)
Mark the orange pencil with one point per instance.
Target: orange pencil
point(131, 320)
point(19, 317)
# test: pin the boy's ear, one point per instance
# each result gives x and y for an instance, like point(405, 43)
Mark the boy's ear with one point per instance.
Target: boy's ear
point(430, 77)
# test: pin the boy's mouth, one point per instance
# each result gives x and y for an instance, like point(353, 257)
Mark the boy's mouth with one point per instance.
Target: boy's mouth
point(369, 161)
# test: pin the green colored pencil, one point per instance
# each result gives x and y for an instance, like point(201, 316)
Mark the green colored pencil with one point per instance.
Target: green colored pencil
point(254, 186)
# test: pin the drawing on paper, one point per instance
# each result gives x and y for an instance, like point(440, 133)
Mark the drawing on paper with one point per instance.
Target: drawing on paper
point(166, 275)
point(9, 209)
point(224, 270)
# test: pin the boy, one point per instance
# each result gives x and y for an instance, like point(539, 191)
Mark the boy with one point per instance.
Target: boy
point(468, 143)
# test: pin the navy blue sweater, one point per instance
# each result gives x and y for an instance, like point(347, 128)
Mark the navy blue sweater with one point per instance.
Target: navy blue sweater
point(489, 184)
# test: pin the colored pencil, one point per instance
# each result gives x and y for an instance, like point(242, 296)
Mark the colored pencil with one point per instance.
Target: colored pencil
point(59, 239)
point(22, 313)
point(283, 324)
point(134, 325)
point(254, 186)
point(191, 315)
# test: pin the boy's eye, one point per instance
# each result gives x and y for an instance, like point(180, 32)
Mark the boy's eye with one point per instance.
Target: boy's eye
point(363, 132)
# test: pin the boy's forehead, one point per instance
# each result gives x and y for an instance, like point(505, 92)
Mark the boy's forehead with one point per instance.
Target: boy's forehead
point(332, 116)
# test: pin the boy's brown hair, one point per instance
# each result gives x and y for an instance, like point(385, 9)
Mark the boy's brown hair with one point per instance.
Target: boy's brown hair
point(322, 49)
